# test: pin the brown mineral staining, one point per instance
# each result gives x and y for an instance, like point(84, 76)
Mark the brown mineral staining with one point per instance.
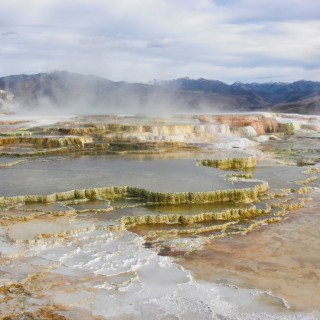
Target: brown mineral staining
point(12, 122)
point(41, 314)
point(283, 258)
point(16, 297)
point(262, 124)
point(11, 290)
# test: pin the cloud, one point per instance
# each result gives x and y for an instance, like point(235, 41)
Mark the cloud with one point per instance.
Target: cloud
point(7, 33)
point(123, 40)
point(162, 43)
point(269, 10)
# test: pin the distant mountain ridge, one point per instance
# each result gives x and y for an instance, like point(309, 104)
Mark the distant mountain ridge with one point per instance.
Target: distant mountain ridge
point(271, 92)
point(64, 90)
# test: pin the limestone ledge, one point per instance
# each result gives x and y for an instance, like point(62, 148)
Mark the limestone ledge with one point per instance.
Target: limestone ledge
point(48, 142)
point(20, 132)
point(313, 170)
point(292, 206)
point(231, 217)
point(193, 231)
point(162, 239)
point(55, 238)
point(76, 201)
point(128, 221)
point(103, 149)
point(43, 152)
point(196, 125)
point(308, 180)
point(239, 176)
point(245, 195)
point(230, 163)
point(231, 227)
point(225, 215)
point(153, 130)
point(11, 164)
point(260, 223)
point(284, 193)
point(30, 216)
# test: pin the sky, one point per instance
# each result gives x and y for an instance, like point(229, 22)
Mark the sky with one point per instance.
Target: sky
point(141, 40)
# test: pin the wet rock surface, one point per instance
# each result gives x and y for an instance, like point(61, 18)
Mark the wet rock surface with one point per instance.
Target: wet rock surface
point(91, 209)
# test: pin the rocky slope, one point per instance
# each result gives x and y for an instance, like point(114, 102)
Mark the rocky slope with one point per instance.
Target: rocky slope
point(6, 99)
point(307, 105)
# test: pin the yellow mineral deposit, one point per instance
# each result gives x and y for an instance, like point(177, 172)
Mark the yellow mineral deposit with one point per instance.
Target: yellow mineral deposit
point(240, 195)
point(229, 164)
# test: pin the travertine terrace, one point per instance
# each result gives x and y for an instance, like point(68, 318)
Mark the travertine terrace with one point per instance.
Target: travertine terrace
point(73, 192)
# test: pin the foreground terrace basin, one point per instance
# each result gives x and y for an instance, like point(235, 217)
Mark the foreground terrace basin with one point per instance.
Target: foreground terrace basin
point(98, 214)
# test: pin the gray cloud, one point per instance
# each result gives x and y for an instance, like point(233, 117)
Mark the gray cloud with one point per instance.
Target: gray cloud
point(7, 33)
point(242, 40)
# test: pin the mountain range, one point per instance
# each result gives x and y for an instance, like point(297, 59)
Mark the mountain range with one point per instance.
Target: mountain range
point(65, 92)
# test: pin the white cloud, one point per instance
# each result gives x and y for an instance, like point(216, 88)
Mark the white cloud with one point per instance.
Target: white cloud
point(162, 43)
point(139, 40)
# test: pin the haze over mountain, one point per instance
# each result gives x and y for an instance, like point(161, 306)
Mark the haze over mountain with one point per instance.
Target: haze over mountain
point(66, 92)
